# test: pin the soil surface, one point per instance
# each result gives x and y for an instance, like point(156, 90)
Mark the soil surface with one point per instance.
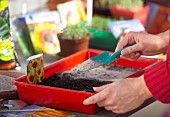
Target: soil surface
point(67, 81)
point(6, 83)
point(7, 90)
point(85, 81)
point(107, 72)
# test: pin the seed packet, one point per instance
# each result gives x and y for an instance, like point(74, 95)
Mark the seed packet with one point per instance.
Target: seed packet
point(22, 35)
point(8, 58)
point(43, 30)
point(35, 69)
point(124, 26)
point(71, 12)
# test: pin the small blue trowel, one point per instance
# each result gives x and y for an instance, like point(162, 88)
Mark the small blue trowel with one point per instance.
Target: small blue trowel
point(99, 60)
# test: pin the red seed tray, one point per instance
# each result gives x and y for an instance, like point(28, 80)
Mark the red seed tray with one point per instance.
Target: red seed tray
point(65, 98)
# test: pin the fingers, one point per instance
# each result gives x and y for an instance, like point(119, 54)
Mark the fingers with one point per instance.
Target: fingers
point(115, 109)
point(132, 49)
point(106, 102)
point(95, 98)
point(132, 52)
point(111, 108)
point(100, 96)
point(98, 89)
point(131, 37)
point(121, 44)
point(128, 39)
point(132, 56)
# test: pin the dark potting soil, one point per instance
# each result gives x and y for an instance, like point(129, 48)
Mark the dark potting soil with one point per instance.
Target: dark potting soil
point(68, 82)
point(85, 81)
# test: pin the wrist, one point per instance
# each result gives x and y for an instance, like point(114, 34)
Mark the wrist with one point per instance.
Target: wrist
point(165, 37)
point(144, 91)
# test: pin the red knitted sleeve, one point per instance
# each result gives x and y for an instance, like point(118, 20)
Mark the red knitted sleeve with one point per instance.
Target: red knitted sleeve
point(157, 79)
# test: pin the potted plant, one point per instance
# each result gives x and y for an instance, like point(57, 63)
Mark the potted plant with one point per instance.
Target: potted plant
point(101, 37)
point(129, 9)
point(102, 21)
point(73, 39)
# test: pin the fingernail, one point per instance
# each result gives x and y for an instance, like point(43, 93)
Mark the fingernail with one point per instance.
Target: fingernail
point(137, 54)
point(85, 102)
point(94, 88)
point(124, 52)
point(88, 101)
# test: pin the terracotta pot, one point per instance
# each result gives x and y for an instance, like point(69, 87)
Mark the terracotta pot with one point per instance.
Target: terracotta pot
point(69, 47)
point(97, 10)
point(141, 14)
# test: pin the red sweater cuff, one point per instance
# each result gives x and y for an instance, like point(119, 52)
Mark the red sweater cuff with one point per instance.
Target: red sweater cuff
point(157, 79)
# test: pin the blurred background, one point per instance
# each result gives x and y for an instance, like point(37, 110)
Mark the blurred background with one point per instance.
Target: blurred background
point(44, 26)
point(17, 7)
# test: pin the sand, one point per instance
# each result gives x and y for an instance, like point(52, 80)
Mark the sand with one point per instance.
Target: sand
point(107, 72)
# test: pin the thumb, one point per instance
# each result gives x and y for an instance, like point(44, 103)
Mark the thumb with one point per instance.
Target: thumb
point(98, 89)
point(121, 44)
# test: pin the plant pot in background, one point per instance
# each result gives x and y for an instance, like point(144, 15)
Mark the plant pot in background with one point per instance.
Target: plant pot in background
point(102, 12)
point(141, 14)
point(52, 4)
point(73, 39)
point(69, 47)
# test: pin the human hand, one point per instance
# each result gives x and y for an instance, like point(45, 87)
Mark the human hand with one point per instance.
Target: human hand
point(146, 44)
point(121, 96)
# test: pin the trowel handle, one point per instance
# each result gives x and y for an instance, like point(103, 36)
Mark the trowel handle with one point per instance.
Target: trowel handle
point(115, 55)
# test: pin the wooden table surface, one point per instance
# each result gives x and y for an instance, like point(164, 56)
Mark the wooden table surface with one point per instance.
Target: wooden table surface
point(105, 113)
